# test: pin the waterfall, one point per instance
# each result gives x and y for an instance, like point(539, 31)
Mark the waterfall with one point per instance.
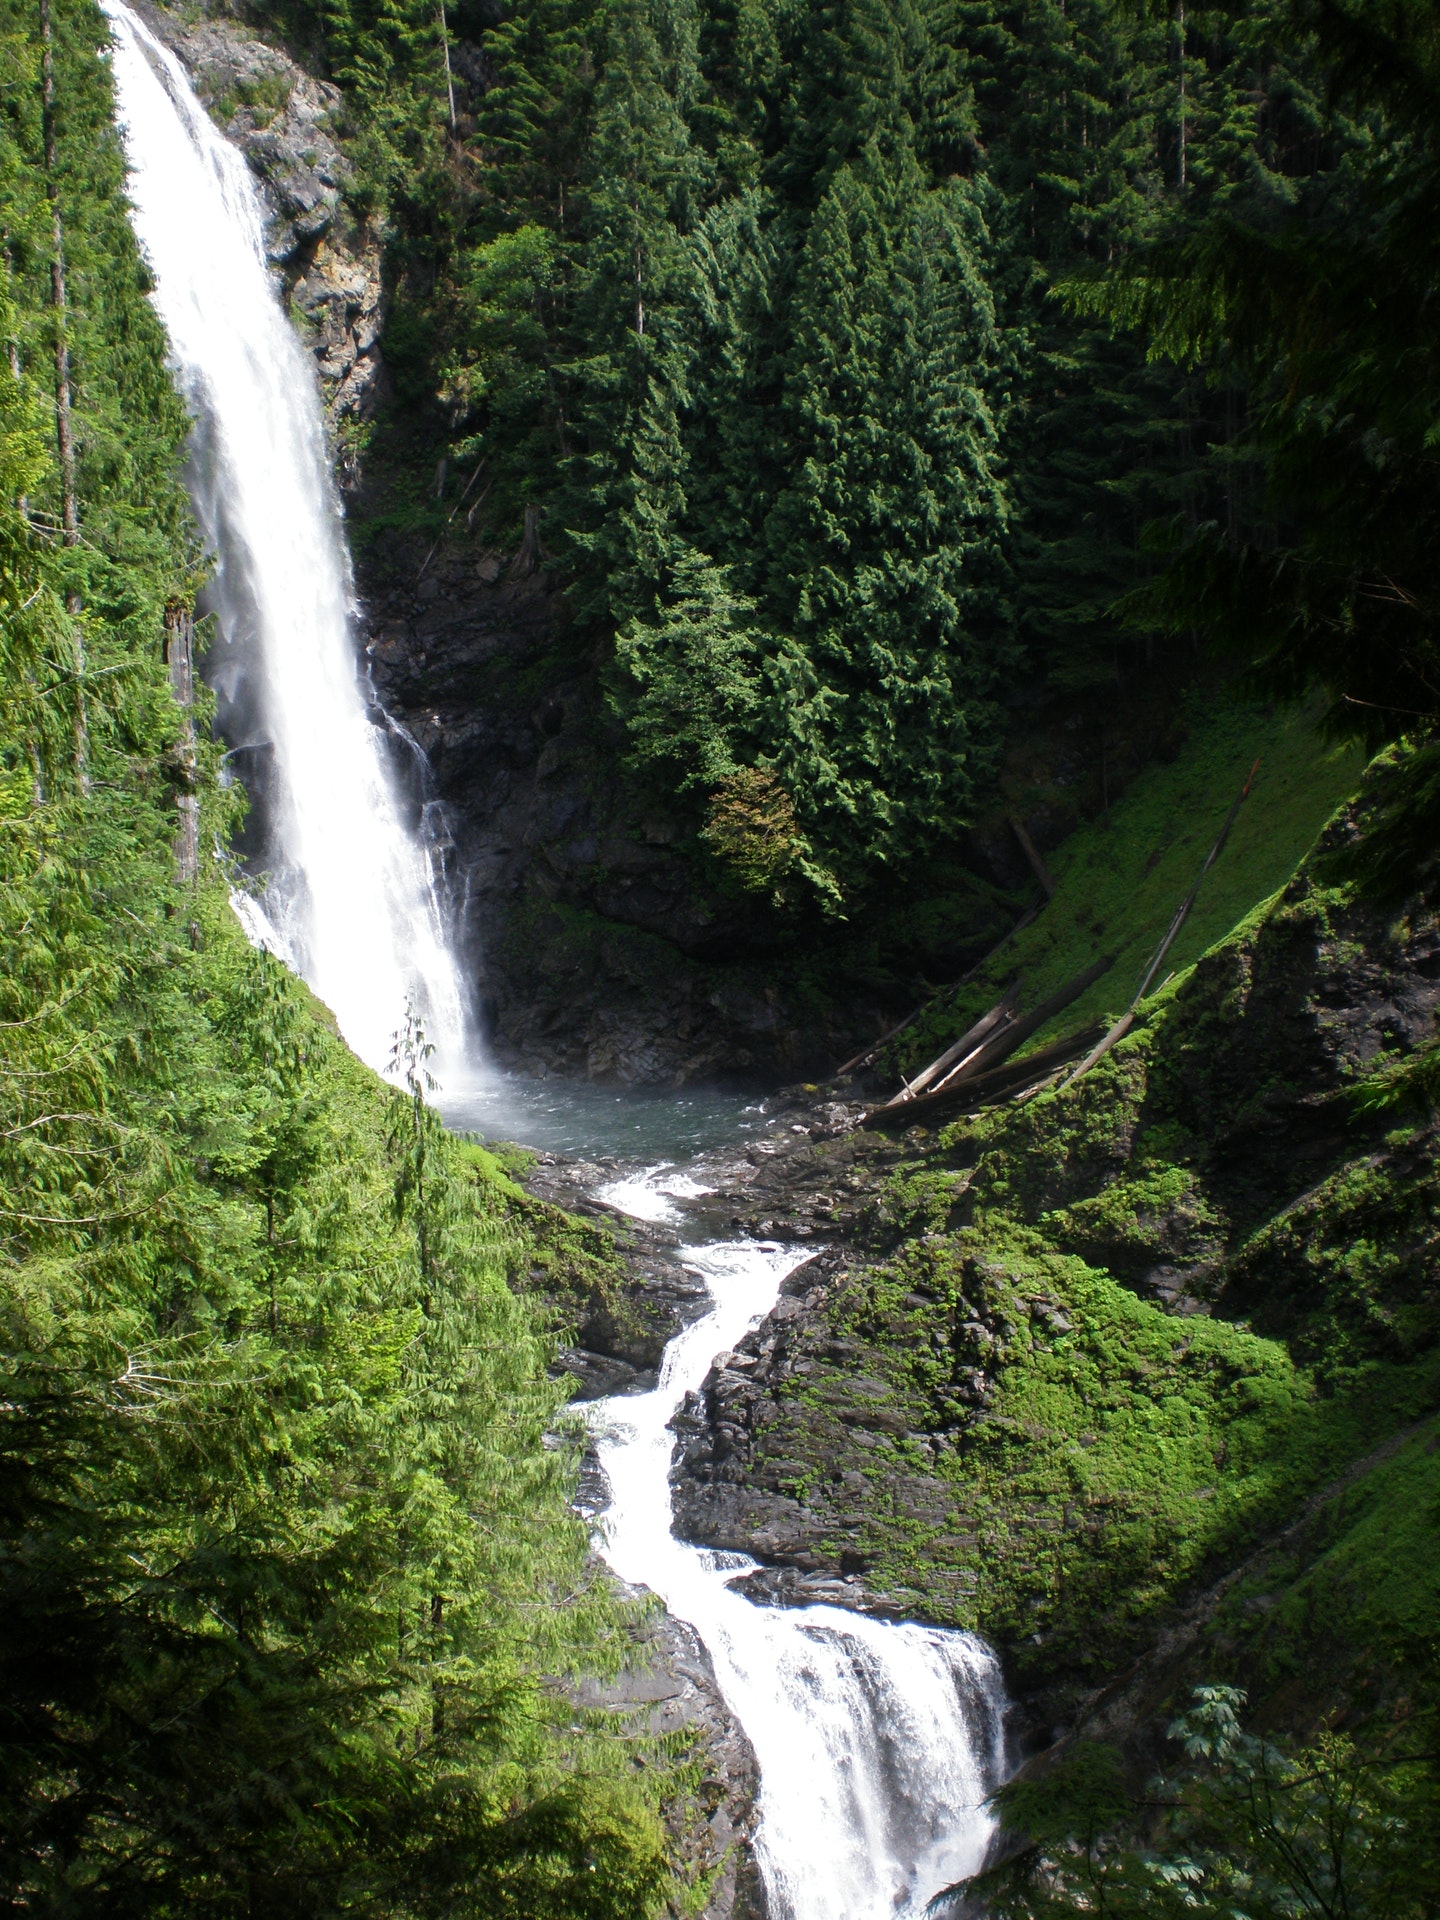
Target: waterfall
point(877, 1742)
point(350, 898)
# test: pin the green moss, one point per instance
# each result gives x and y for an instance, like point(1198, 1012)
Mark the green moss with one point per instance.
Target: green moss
point(1119, 879)
point(1347, 1606)
point(1114, 1339)
point(490, 1168)
point(1029, 1450)
point(572, 1264)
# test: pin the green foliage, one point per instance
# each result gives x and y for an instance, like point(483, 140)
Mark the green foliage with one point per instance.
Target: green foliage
point(692, 665)
point(886, 543)
point(746, 314)
point(751, 827)
point(389, 56)
point(1314, 317)
point(1119, 880)
point(294, 1593)
point(1341, 1829)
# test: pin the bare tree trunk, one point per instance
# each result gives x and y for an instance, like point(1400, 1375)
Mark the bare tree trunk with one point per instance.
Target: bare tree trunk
point(64, 432)
point(180, 659)
point(1180, 61)
point(528, 558)
point(449, 77)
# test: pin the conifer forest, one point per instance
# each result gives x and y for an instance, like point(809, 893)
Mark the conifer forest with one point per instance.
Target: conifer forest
point(719, 959)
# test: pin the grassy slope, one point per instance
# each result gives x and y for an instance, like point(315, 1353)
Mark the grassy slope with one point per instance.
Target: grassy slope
point(1355, 1596)
point(1003, 1420)
point(1118, 880)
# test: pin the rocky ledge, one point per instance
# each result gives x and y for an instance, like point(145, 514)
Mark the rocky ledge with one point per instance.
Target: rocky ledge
point(668, 1688)
point(282, 119)
point(965, 1408)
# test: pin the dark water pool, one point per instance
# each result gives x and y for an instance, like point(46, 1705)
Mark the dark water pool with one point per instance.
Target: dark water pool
point(576, 1117)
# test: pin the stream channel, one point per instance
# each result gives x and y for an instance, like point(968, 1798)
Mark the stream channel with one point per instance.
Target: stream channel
point(877, 1741)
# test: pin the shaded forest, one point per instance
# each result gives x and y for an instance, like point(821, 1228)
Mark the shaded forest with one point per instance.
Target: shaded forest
point(790, 334)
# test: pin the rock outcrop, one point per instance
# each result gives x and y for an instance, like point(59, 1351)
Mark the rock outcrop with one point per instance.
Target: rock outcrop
point(601, 948)
point(668, 1688)
point(282, 119)
point(953, 1413)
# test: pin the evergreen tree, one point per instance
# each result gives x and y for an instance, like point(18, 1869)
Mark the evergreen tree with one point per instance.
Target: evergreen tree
point(1080, 115)
point(645, 186)
point(533, 125)
point(1320, 316)
point(287, 1560)
point(886, 551)
point(735, 326)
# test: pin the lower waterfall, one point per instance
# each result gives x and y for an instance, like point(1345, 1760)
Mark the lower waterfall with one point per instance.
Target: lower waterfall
point(877, 1743)
point(350, 899)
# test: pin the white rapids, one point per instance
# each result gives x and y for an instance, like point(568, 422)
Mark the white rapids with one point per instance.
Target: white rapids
point(353, 904)
point(877, 1743)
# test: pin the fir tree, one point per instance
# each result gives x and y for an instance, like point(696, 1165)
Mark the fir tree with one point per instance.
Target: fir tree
point(644, 192)
point(533, 125)
point(886, 548)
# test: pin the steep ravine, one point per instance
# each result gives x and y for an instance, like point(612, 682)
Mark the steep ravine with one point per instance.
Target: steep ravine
point(1078, 1375)
point(1059, 1370)
point(1111, 1378)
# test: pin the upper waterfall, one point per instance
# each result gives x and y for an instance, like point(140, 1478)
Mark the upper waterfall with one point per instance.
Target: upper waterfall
point(350, 892)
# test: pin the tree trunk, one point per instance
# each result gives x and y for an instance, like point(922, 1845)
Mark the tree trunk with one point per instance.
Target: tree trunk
point(1180, 170)
point(449, 77)
point(64, 433)
point(17, 371)
point(180, 659)
point(528, 558)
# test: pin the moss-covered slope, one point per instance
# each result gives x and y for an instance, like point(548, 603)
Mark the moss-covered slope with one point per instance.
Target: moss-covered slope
point(1084, 1355)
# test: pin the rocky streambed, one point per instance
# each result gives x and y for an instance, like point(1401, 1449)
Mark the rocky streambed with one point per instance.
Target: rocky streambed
point(1072, 1374)
point(877, 1737)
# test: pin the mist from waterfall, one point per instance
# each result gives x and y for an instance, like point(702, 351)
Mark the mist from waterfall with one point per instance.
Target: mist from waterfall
point(350, 899)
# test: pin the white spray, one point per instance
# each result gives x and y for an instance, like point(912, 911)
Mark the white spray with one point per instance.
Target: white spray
point(877, 1743)
point(352, 901)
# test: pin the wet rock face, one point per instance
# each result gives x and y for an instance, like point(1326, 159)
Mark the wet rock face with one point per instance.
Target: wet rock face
point(617, 1339)
point(599, 947)
point(1219, 1166)
point(281, 119)
point(789, 1448)
point(668, 1688)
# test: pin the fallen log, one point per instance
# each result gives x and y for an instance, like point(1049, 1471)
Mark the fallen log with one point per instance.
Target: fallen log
point(1127, 1019)
point(991, 1053)
point(867, 1054)
point(968, 1043)
point(1004, 1043)
point(1000, 1083)
point(1032, 854)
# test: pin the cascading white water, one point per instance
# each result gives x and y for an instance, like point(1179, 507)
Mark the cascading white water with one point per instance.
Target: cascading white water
point(877, 1743)
point(351, 895)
